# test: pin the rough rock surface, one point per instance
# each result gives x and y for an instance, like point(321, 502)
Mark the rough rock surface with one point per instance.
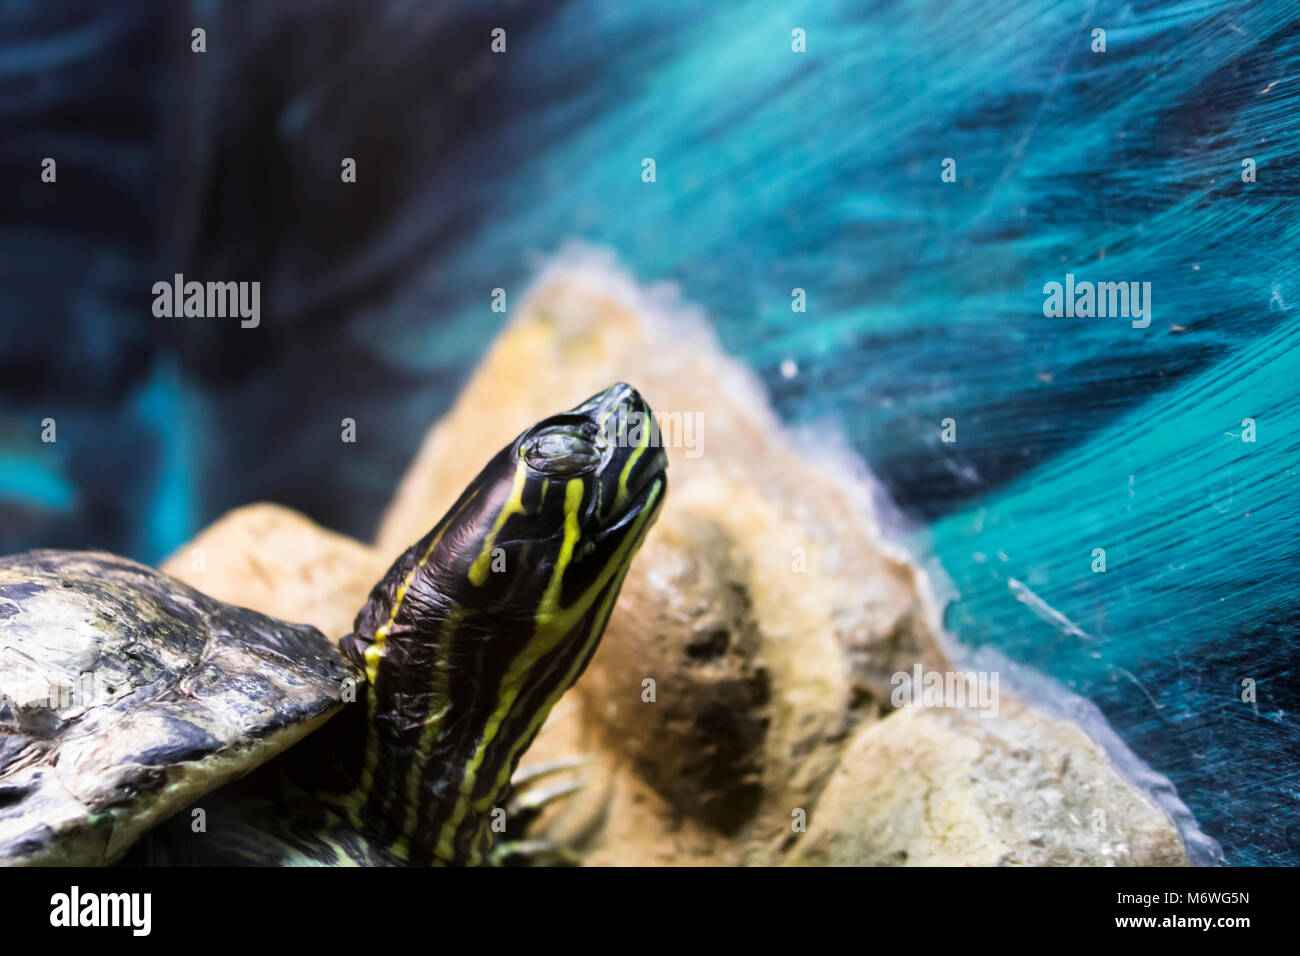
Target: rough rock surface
point(765, 608)
point(948, 787)
point(764, 605)
point(922, 786)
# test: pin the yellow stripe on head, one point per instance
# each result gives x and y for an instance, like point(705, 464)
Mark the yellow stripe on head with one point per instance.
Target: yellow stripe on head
point(478, 571)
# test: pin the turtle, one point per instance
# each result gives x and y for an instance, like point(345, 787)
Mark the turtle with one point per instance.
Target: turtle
point(127, 696)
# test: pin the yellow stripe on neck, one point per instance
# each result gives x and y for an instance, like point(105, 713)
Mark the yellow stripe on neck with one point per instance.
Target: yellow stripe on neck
point(373, 654)
point(553, 624)
point(478, 571)
point(439, 705)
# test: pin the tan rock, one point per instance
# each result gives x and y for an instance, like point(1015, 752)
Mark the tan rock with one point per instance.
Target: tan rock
point(765, 604)
point(949, 787)
point(583, 327)
point(275, 560)
point(619, 819)
point(766, 609)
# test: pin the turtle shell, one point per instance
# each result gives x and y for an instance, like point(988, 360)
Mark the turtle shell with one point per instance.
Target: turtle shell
point(125, 695)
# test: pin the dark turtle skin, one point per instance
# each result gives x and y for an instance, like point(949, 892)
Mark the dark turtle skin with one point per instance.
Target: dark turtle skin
point(453, 664)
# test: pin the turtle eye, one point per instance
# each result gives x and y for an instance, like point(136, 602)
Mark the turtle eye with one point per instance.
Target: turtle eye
point(563, 449)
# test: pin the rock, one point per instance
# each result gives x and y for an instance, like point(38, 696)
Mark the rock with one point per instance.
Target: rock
point(765, 604)
point(765, 607)
point(949, 787)
point(700, 741)
point(276, 561)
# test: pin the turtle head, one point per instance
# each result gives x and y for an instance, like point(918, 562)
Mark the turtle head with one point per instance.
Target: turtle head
point(479, 628)
point(561, 509)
